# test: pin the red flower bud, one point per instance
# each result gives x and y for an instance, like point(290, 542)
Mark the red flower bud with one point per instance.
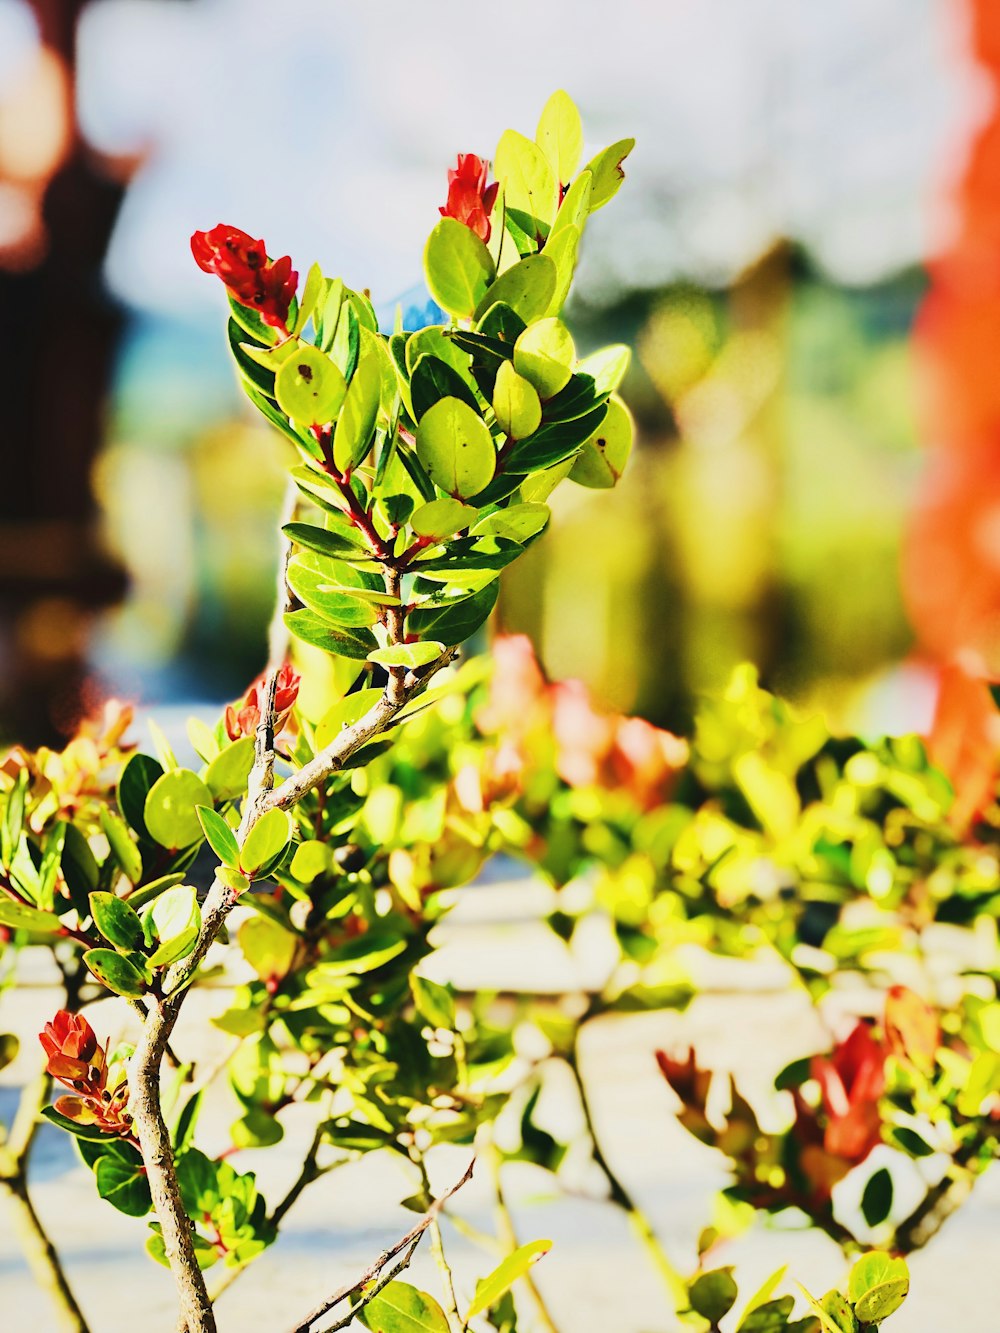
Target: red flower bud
point(244, 719)
point(70, 1038)
point(77, 1060)
point(470, 199)
point(250, 277)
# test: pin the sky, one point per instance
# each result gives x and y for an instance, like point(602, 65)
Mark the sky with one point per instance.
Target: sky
point(328, 128)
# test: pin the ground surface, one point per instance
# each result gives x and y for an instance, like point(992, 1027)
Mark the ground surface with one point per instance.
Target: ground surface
point(595, 1279)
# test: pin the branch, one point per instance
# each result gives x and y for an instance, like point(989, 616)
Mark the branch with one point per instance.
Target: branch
point(374, 1273)
point(277, 634)
point(144, 1072)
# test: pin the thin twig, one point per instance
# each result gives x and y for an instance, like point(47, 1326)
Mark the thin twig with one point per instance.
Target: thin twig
point(508, 1235)
point(277, 634)
point(375, 1270)
point(440, 1258)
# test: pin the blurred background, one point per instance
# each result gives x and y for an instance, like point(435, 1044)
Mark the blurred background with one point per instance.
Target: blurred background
point(796, 169)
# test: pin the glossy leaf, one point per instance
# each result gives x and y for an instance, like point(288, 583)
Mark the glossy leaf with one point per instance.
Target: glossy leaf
point(607, 173)
point(518, 523)
point(877, 1286)
point(531, 190)
point(602, 458)
point(137, 778)
point(227, 774)
point(125, 852)
point(458, 267)
point(267, 946)
point(170, 812)
point(516, 403)
point(490, 1289)
point(115, 971)
point(266, 840)
point(442, 518)
point(434, 379)
point(220, 836)
point(400, 1308)
point(17, 916)
point(309, 387)
point(407, 654)
point(124, 1185)
point(456, 448)
point(312, 579)
point(117, 921)
point(176, 920)
point(527, 288)
point(544, 354)
point(356, 424)
point(607, 367)
point(560, 135)
point(344, 642)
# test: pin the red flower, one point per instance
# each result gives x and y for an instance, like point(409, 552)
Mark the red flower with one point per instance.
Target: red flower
point(77, 1060)
point(852, 1079)
point(243, 720)
point(250, 277)
point(470, 199)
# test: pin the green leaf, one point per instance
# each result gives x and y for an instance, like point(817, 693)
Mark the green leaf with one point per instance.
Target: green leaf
point(321, 540)
point(456, 448)
point(490, 1288)
point(877, 1286)
point(713, 1294)
point(309, 387)
point(125, 852)
point(79, 867)
point(407, 654)
point(529, 184)
point(170, 812)
point(313, 629)
point(400, 1308)
point(256, 1129)
point(442, 518)
point(836, 1314)
point(518, 523)
point(356, 424)
point(763, 1294)
point(453, 621)
point(134, 785)
point(434, 379)
point(18, 916)
point(554, 443)
point(560, 135)
point(266, 840)
point(147, 892)
point(607, 173)
point(458, 267)
point(311, 293)
point(220, 836)
point(435, 1003)
point(607, 367)
point(527, 288)
point(124, 1185)
point(115, 971)
point(176, 920)
point(78, 1129)
point(876, 1202)
point(364, 953)
point(227, 774)
point(329, 591)
point(344, 713)
point(602, 458)
point(575, 207)
point(544, 355)
point(563, 250)
point(116, 920)
point(267, 947)
point(516, 403)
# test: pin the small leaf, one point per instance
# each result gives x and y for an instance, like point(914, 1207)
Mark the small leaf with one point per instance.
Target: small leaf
point(909, 1141)
point(126, 853)
point(170, 812)
point(356, 424)
point(116, 920)
point(442, 518)
point(877, 1286)
point(115, 971)
point(527, 288)
point(434, 1002)
point(560, 135)
point(713, 1294)
point(407, 654)
point(544, 355)
point(344, 713)
point(124, 1185)
point(176, 920)
point(267, 947)
point(400, 1308)
point(607, 173)
point(456, 448)
point(221, 837)
point(365, 953)
point(458, 267)
point(309, 387)
point(602, 458)
point(516, 403)
point(136, 781)
point(607, 367)
point(21, 917)
point(340, 640)
point(227, 774)
point(490, 1289)
point(518, 523)
point(266, 840)
point(9, 1047)
point(529, 183)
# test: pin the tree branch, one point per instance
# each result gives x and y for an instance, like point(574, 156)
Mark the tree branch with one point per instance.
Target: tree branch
point(374, 1271)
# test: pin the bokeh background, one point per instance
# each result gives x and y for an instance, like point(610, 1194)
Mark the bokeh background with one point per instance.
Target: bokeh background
point(797, 168)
